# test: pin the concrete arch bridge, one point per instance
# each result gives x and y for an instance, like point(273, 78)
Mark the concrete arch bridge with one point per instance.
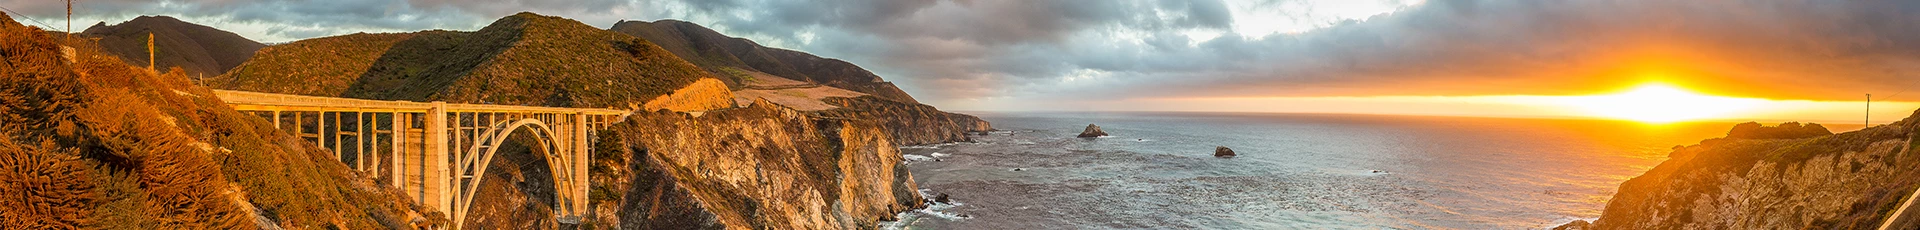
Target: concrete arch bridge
point(437, 152)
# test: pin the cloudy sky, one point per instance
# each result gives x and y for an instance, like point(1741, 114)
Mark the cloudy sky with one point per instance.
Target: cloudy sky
point(1275, 55)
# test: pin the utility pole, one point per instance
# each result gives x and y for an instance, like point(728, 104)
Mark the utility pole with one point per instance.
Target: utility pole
point(1869, 116)
point(69, 35)
point(150, 52)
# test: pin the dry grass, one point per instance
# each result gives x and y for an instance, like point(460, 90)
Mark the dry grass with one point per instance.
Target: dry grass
point(95, 143)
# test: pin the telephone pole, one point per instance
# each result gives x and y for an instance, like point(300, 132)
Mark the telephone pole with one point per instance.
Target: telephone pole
point(69, 34)
point(1869, 116)
point(150, 52)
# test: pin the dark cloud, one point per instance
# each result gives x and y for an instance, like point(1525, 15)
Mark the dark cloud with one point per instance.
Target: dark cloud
point(947, 50)
point(297, 19)
point(1780, 49)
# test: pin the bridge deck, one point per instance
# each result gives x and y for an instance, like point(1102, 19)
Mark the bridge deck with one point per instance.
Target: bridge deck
point(242, 100)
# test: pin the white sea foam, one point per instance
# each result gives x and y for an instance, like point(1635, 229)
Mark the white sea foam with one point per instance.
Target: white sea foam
point(911, 157)
point(934, 209)
point(939, 155)
point(1566, 220)
point(932, 146)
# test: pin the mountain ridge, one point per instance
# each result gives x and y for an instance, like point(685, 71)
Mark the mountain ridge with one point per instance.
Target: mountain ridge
point(729, 56)
point(523, 59)
point(201, 50)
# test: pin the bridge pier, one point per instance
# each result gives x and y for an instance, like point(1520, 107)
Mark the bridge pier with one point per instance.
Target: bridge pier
point(434, 188)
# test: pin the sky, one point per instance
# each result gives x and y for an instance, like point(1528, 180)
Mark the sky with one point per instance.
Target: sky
point(1807, 60)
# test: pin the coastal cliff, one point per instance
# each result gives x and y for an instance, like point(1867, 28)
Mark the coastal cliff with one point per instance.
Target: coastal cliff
point(908, 123)
point(1783, 177)
point(760, 167)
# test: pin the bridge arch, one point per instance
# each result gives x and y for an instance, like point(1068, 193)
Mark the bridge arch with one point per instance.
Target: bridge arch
point(475, 164)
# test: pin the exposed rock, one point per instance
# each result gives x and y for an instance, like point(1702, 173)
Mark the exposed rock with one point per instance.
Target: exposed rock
point(760, 167)
point(1224, 152)
point(1786, 177)
point(1092, 131)
point(943, 198)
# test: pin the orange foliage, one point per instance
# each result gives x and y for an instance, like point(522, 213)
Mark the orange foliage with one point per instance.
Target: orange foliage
point(90, 142)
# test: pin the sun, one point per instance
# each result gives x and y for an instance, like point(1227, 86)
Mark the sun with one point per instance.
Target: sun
point(1660, 103)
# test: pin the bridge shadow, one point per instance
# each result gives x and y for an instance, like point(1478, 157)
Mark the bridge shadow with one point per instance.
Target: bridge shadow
point(422, 66)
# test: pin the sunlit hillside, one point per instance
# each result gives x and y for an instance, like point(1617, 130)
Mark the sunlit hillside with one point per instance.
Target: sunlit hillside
point(93, 143)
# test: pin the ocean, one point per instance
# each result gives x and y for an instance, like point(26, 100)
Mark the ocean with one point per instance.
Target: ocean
point(1294, 171)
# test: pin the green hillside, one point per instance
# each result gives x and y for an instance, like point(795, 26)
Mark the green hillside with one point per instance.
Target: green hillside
point(725, 55)
point(523, 59)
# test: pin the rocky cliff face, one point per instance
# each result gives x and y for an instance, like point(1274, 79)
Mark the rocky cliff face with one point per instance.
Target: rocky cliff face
point(92, 143)
point(908, 123)
point(1756, 180)
point(758, 167)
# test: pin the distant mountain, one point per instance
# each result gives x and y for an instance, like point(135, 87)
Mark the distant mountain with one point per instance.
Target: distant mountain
point(200, 50)
point(523, 59)
point(740, 58)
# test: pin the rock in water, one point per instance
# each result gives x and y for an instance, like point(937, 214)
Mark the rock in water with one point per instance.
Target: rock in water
point(1092, 131)
point(943, 198)
point(1575, 225)
point(1222, 151)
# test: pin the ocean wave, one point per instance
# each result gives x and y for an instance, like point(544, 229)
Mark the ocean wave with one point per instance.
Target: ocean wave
point(915, 158)
point(932, 146)
point(906, 219)
point(1567, 220)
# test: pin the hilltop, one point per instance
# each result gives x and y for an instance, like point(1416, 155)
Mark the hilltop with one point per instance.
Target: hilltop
point(93, 143)
point(1788, 176)
point(822, 86)
point(523, 59)
point(744, 62)
point(200, 50)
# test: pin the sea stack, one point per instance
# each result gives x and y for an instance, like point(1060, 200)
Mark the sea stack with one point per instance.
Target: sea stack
point(1092, 131)
point(1222, 152)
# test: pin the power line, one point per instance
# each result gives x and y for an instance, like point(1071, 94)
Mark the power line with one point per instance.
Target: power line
point(1902, 90)
point(35, 21)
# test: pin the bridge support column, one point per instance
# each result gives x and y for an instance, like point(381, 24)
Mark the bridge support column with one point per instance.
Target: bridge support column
point(397, 129)
point(582, 153)
point(435, 186)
